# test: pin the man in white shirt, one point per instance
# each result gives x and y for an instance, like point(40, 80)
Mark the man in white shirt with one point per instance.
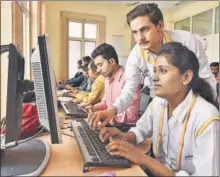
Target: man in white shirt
point(146, 23)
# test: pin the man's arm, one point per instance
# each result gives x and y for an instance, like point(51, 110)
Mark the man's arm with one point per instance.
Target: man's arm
point(130, 115)
point(76, 81)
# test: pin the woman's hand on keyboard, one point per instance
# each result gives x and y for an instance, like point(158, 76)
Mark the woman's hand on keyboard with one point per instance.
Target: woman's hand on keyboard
point(107, 133)
point(124, 149)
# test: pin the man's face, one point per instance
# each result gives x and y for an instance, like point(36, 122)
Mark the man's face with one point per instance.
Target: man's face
point(146, 34)
point(215, 70)
point(104, 67)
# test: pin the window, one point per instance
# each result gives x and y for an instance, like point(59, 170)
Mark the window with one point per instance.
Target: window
point(217, 19)
point(82, 41)
point(80, 35)
point(202, 23)
point(183, 25)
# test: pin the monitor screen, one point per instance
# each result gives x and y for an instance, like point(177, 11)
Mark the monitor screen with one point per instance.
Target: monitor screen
point(45, 88)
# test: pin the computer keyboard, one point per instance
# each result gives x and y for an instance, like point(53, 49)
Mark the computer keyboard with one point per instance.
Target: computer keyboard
point(74, 108)
point(93, 149)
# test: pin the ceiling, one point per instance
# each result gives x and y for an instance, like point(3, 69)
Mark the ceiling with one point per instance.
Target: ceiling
point(161, 4)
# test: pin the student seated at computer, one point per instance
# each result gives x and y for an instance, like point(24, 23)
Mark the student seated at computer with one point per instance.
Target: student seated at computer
point(106, 60)
point(86, 84)
point(78, 77)
point(97, 91)
point(182, 120)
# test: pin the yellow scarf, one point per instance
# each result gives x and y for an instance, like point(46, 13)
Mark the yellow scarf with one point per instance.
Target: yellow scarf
point(148, 56)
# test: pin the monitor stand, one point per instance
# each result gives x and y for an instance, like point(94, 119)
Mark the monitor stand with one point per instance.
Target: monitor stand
point(26, 159)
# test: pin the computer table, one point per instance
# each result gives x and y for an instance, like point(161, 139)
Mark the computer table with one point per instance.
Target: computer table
point(66, 160)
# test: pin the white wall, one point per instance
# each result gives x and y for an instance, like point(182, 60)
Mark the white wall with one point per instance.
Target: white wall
point(193, 9)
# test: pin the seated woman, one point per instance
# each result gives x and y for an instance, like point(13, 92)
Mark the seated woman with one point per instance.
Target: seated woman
point(181, 119)
point(97, 91)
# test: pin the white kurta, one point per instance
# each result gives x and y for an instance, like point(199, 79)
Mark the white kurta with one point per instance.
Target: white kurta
point(200, 154)
point(139, 71)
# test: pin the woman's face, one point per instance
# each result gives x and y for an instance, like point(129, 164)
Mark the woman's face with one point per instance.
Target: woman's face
point(168, 79)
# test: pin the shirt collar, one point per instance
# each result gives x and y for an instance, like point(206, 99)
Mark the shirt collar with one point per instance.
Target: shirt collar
point(180, 111)
point(117, 75)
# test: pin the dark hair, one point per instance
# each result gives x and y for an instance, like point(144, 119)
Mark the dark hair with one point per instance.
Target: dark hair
point(214, 64)
point(86, 60)
point(92, 66)
point(151, 10)
point(184, 59)
point(107, 51)
point(79, 62)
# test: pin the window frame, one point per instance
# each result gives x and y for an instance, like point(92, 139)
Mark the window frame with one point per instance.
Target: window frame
point(67, 16)
point(192, 15)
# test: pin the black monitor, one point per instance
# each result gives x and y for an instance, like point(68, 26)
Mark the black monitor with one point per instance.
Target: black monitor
point(29, 158)
point(45, 89)
point(14, 95)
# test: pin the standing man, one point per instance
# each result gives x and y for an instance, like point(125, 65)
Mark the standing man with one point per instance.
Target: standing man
point(147, 26)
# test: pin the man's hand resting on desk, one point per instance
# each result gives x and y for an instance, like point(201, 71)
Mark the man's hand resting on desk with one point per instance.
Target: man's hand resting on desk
point(104, 117)
point(126, 150)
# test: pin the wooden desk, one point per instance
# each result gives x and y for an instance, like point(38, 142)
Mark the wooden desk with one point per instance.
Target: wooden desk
point(66, 160)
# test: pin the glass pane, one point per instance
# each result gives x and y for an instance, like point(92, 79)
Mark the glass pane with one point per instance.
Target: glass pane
point(74, 56)
point(90, 31)
point(202, 23)
point(183, 25)
point(89, 47)
point(217, 19)
point(75, 29)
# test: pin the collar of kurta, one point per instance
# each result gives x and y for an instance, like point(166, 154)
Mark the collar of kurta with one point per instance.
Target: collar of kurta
point(147, 55)
point(181, 110)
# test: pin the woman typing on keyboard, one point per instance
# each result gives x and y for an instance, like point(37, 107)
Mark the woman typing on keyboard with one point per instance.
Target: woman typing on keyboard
point(182, 121)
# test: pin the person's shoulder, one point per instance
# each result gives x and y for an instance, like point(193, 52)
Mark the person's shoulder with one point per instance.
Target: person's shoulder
point(203, 107)
point(100, 78)
point(135, 53)
point(204, 112)
point(184, 37)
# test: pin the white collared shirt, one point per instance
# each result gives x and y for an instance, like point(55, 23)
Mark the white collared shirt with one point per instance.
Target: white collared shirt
point(136, 70)
point(200, 154)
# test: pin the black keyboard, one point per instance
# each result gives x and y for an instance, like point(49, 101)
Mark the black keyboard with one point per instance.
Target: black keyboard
point(74, 109)
point(93, 149)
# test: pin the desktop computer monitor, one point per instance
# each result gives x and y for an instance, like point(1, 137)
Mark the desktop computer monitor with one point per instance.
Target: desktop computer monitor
point(45, 88)
point(29, 157)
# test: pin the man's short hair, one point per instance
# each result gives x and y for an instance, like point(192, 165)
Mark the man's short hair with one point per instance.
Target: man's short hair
point(214, 64)
point(107, 51)
point(151, 10)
